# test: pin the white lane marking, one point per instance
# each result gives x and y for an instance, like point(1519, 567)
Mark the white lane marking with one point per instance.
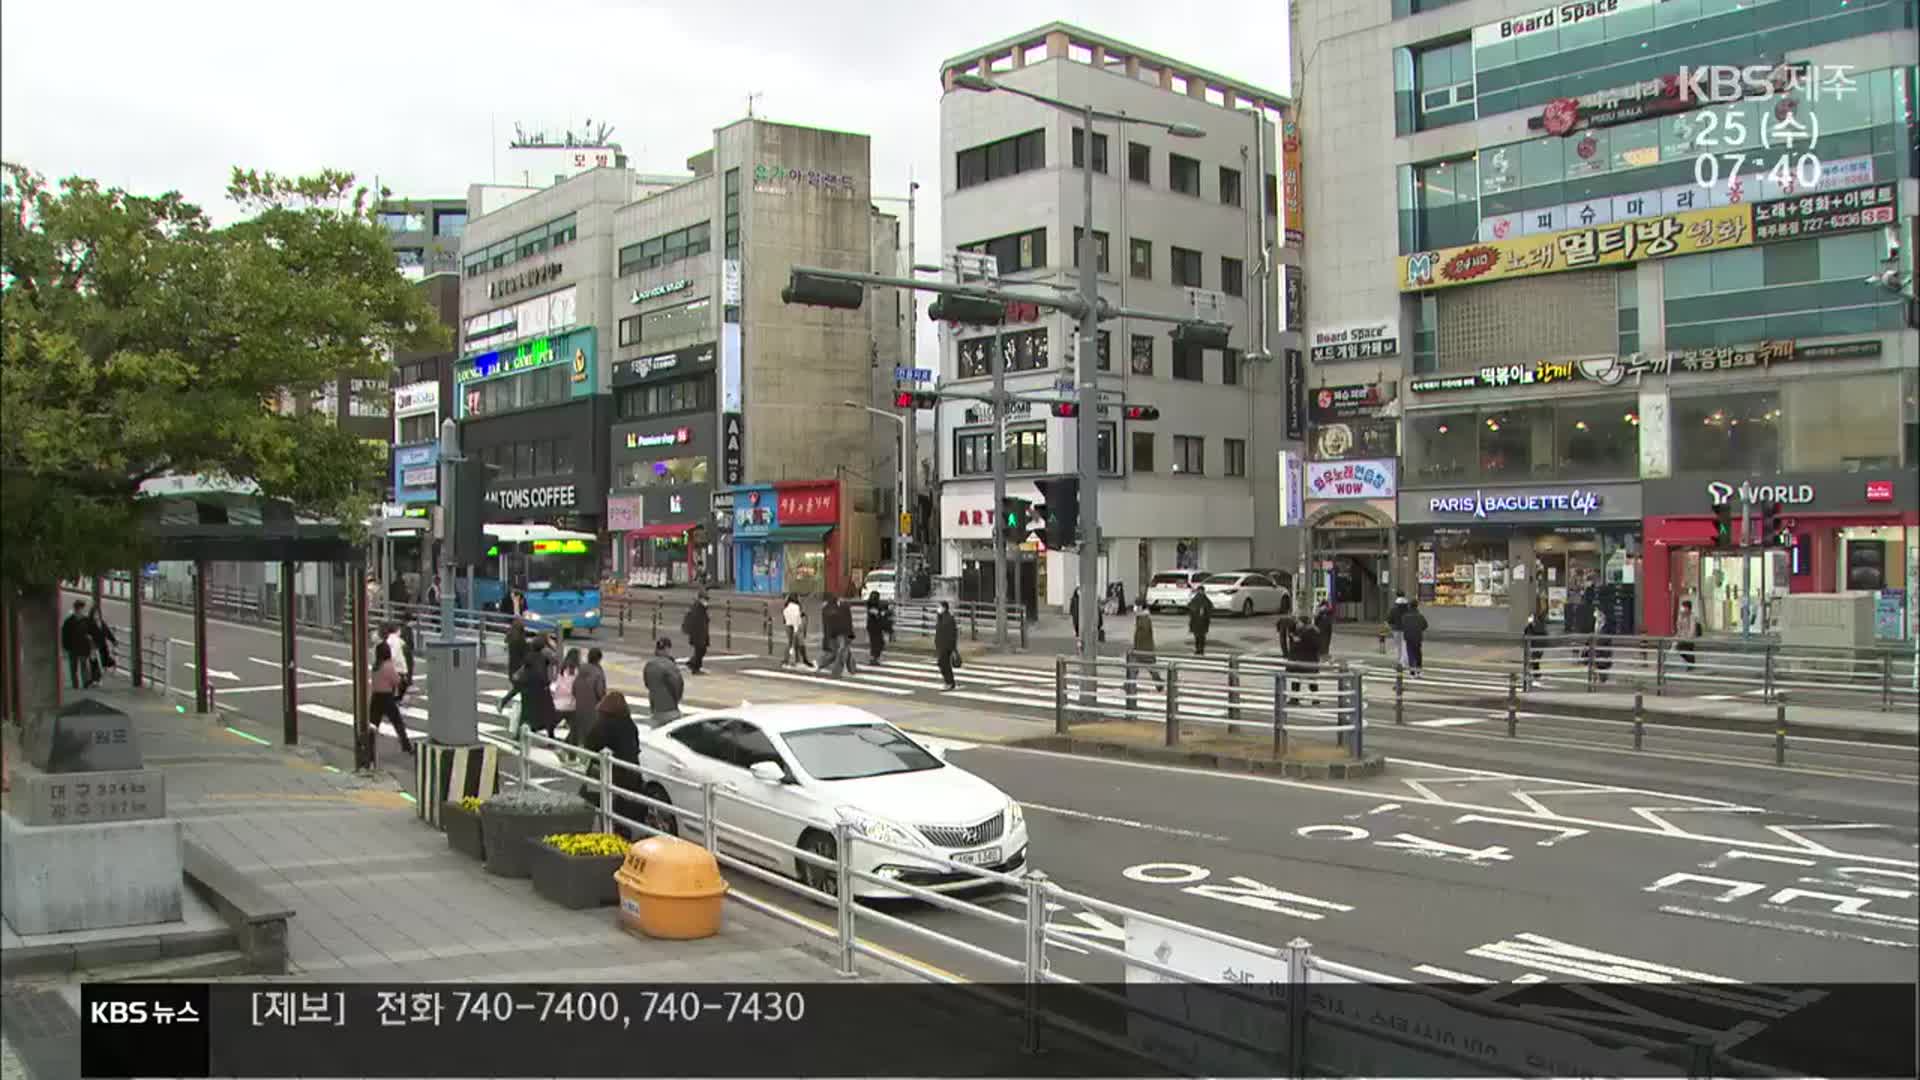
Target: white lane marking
point(1865, 890)
point(1556, 782)
point(1383, 808)
point(1128, 823)
point(945, 745)
point(1329, 789)
point(327, 712)
point(309, 673)
point(1731, 890)
point(828, 681)
point(1774, 924)
point(215, 672)
point(331, 684)
point(1455, 976)
point(1652, 814)
point(1451, 721)
point(1793, 835)
point(335, 660)
point(1440, 849)
point(1715, 697)
point(1549, 955)
point(1344, 832)
point(1849, 907)
point(995, 699)
point(1764, 857)
point(1560, 832)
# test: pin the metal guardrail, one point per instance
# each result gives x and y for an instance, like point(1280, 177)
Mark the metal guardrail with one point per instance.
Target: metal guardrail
point(1887, 676)
point(1290, 1044)
point(920, 617)
point(1242, 691)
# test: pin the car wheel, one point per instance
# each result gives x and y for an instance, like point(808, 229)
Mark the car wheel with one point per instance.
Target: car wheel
point(1246, 608)
point(665, 821)
point(822, 878)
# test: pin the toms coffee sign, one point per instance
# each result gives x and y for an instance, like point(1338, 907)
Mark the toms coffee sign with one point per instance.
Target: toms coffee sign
point(550, 497)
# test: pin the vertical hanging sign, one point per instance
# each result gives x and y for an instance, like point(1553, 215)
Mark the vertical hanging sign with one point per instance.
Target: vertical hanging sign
point(730, 282)
point(1293, 197)
point(1292, 299)
point(1296, 391)
point(1292, 497)
point(733, 459)
point(730, 367)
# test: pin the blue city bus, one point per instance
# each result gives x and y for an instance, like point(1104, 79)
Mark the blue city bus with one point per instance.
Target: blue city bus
point(557, 572)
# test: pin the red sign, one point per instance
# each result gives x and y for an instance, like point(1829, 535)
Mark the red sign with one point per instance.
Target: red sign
point(809, 505)
point(1560, 116)
point(1879, 491)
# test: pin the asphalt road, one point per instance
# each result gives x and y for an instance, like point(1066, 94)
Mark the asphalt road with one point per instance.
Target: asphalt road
point(1477, 861)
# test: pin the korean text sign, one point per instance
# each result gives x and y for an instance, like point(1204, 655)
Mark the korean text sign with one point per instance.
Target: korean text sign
point(1718, 228)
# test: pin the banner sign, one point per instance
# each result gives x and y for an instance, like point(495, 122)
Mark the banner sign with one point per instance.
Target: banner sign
point(1361, 341)
point(733, 433)
point(1292, 497)
point(1551, 18)
point(1358, 438)
point(1716, 228)
point(1296, 390)
point(548, 497)
point(1292, 298)
point(1293, 196)
point(415, 398)
point(1869, 207)
point(1346, 402)
point(643, 368)
point(1738, 357)
point(1351, 479)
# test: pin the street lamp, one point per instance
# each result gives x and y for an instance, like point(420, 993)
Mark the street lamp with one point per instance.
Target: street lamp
point(1088, 431)
point(899, 539)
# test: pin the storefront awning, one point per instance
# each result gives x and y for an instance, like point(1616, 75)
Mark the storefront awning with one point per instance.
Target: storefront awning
point(662, 532)
point(814, 533)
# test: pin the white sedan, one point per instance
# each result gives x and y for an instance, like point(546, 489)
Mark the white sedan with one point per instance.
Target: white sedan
point(1243, 594)
point(785, 775)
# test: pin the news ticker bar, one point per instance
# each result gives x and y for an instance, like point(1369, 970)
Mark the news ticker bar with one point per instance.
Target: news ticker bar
point(975, 1031)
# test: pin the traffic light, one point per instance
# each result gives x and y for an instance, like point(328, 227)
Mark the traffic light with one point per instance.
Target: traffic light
point(818, 291)
point(907, 399)
point(1203, 335)
point(1723, 524)
point(466, 513)
point(967, 311)
point(1068, 409)
point(1772, 529)
point(1142, 412)
point(1061, 511)
point(1015, 514)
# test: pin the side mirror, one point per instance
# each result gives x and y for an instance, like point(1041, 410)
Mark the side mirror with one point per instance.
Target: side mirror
point(768, 772)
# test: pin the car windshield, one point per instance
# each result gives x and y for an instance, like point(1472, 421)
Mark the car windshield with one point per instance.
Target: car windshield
point(1175, 579)
point(1224, 581)
point(856, 751)
point(881, 576)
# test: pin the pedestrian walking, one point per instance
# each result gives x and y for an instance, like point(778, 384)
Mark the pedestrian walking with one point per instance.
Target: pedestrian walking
point(566, 678)
point(433, 591)
point(384, 702)
point(1143, 652)
point(1199, 620)
point(696, 625)
point(795, 618)
point(1323, 628)
point(76, 639)
point(536, 687)
point(613, 729)
point(879, 624)
point(1687, 628)
point(843, 632)
point(589, 686)
point(1530, 634)
point(1394, 616)
point(1602, 646)
point(1100, 620)
point(1413, 635)
point(1286, 624)
point(946, 643)
point(1303, 663)
point(516, 638)
point(103, 642)
point(398, 640)
point(665, 685)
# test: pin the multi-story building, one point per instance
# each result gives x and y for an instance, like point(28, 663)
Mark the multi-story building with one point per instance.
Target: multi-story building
point(630, 368)
point(1198, 486)
point(1575, 271)
point(425, 234)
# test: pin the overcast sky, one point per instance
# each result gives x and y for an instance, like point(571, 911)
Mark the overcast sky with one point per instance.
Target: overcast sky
point(421, 95)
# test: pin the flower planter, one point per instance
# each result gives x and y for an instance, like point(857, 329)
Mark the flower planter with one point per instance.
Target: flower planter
point(463, 831)
point(511, 833)
point(574, 881)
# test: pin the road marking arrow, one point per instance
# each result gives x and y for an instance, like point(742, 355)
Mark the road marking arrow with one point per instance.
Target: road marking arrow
point(218, 674)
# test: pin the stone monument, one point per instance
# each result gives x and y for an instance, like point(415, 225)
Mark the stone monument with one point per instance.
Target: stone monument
point(85, 843)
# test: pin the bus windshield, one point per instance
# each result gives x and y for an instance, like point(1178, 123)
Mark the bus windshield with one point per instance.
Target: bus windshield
point(563, 573)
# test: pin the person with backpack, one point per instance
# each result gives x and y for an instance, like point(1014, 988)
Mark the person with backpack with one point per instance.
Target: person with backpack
point(384, 702)
point(1413, 637)
point(879, 623)
point(535, 683)
point(946, 643)
point(1394, 616)
point(697, 626)
point(613, 729)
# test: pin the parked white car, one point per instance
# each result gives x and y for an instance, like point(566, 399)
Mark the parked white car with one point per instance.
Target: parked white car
point(1244, 594)
point(787, 774)
point(1173, 589)
point(879, 581)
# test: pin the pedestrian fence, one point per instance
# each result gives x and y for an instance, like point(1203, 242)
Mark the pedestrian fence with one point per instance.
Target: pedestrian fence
point(236, 602)
point(1868, 677)
point(164, 661)
point(1238, 694)
point(1302, 1022)
point(920, 617)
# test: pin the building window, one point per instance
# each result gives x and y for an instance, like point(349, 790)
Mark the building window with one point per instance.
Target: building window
point(1143, 451)
point(1025, 350)
point(1229, 186)
point(1441, 448)
point(1141, 352)
point(1183, 175)
point(1188, 362)
point(664, 473)
point(1099, 150)
point(1230, 360)
point(408, 258)
point(1273, 195)
point(630, 330)
point(450, 223)
point(1446, 204)
point(1736, 433)
point(972, 453)
point(1443, 84)
point(731, 224)
point(1103, 450)
point(401, 221)
point(1014, 252)
point(1140, 259)
point(1027, 450)
point(1139, 163)
point(535, 241)
point(1236, 463)
point(1190, 455)
point(1000, 159)
point(423, 428)
point(1185, 264)
point(1104, 350)
point(1099, 248)
point(664, 399)
point(1599, 439)
point(1787, 291)
point(668, 248)
point(528, 390)
point(528, 459)
point(682, 320)
point(1233, 276)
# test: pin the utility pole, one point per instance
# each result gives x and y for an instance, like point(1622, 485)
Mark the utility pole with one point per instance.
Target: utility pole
point(1088, 420)
point(999, 406)
point(909, 436)
point(1749, 531)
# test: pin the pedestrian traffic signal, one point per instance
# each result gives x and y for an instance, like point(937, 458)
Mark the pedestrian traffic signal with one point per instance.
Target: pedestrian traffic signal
point(1773, 529)
point(1060, 510)
point(907, 399)
point(967, 311)
point(1142, 412)
point(1723, 524)
point(1015, 516)
point(1203, 335)
point(1067, 409)
point(817, 291)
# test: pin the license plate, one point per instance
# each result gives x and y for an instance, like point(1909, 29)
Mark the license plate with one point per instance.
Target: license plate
point(566, 624)
point(983, 857)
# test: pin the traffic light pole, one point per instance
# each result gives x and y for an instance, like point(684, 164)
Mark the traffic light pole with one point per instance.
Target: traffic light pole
point(1088, 422)
point(1000, 589)
point(1749, 534)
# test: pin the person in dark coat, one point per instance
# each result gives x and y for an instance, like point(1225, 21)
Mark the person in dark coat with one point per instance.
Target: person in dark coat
point(516, 638)
point(879, 621)
point(613, 729)
point(946, 642)
point(695, 626)
point(1602, 647)
point(1323, 628)
point(1073, 613)
point(1530, 633)
point(1413, 631)
point(843, 630)
point(536, 688)
point(1303, 662)
point(1199, 620)
point(103, 641)
point(1143, 652)
point(1287, 623)
point(665, 687)
point(76, 639)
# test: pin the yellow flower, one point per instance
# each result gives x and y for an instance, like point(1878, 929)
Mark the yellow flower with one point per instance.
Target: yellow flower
point(470, 804)
point(587, 844)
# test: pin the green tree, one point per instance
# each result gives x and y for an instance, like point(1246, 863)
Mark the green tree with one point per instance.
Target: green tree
point(138, 340)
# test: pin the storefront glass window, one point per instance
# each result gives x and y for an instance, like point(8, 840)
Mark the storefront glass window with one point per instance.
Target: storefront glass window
point(1441, 447)
point(1598, 439)
point(1516, 443)
point(806, 567)
point(1842, 423)
point(1736, 433)
point(667, 472)
point(1462, 569)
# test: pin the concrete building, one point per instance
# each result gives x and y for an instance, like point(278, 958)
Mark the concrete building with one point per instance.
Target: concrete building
point(1199, 485)
point(1550, 330)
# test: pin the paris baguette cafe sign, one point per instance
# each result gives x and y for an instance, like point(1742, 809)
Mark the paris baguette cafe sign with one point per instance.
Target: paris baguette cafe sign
point(1480, 504)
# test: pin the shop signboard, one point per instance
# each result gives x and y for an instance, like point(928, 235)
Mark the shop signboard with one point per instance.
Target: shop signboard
point(624, 513)
point(1296, 391)
point(1716, 228)
point(576, 349)
point(1345, 402)
point(754, 511)
point(664, 365)
point(549, 314)
point(788, 179)
point(1362, 438)
point(967, 517)
point(523, 280)
point(416, 398)
point(1357, 341)
point(1292, 493)
point(1527, 505)
point(641, 296)
point(654, 440)
point(733, 434)
point(416, 473)
point(810, 504)
point(1613, 370)
point(1554, 17)
point(1293, 299)
point(1350, 479)
point(535, 498)
point(1883, 491)
point(1294, 196)
point(1599, 369)
point(1824, 213)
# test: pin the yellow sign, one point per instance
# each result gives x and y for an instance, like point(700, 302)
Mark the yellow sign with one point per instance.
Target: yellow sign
point(906, 521)
point(1717, 228)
